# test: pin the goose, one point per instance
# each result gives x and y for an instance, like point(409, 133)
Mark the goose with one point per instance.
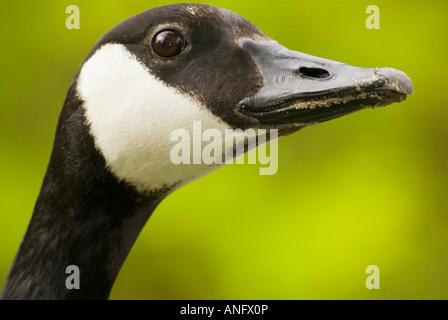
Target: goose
point(158, 71)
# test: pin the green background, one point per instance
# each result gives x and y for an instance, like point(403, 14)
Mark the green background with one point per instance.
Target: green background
point(369, 188)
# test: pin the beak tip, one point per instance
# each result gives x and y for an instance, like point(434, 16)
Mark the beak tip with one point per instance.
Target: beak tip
point(397, 80)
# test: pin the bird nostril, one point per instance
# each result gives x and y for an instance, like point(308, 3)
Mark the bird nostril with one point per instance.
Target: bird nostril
point(314, 73)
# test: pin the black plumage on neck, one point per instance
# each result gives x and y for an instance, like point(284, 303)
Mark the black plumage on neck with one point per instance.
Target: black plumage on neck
point(83, 216)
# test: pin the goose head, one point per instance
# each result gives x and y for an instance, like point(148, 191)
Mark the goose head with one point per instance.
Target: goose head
point(157, 72)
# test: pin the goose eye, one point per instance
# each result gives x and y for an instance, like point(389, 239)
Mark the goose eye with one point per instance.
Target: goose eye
point(168, 43)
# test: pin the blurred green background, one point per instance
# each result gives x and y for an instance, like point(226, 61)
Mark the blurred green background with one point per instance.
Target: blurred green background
point(369, 188)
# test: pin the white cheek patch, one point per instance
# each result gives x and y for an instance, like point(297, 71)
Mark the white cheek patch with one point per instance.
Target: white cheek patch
point(131, 115)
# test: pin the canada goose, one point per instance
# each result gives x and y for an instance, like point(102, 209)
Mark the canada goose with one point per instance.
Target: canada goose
point(158, 71)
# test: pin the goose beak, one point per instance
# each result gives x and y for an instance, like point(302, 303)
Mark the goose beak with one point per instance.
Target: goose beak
point(303, 89)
